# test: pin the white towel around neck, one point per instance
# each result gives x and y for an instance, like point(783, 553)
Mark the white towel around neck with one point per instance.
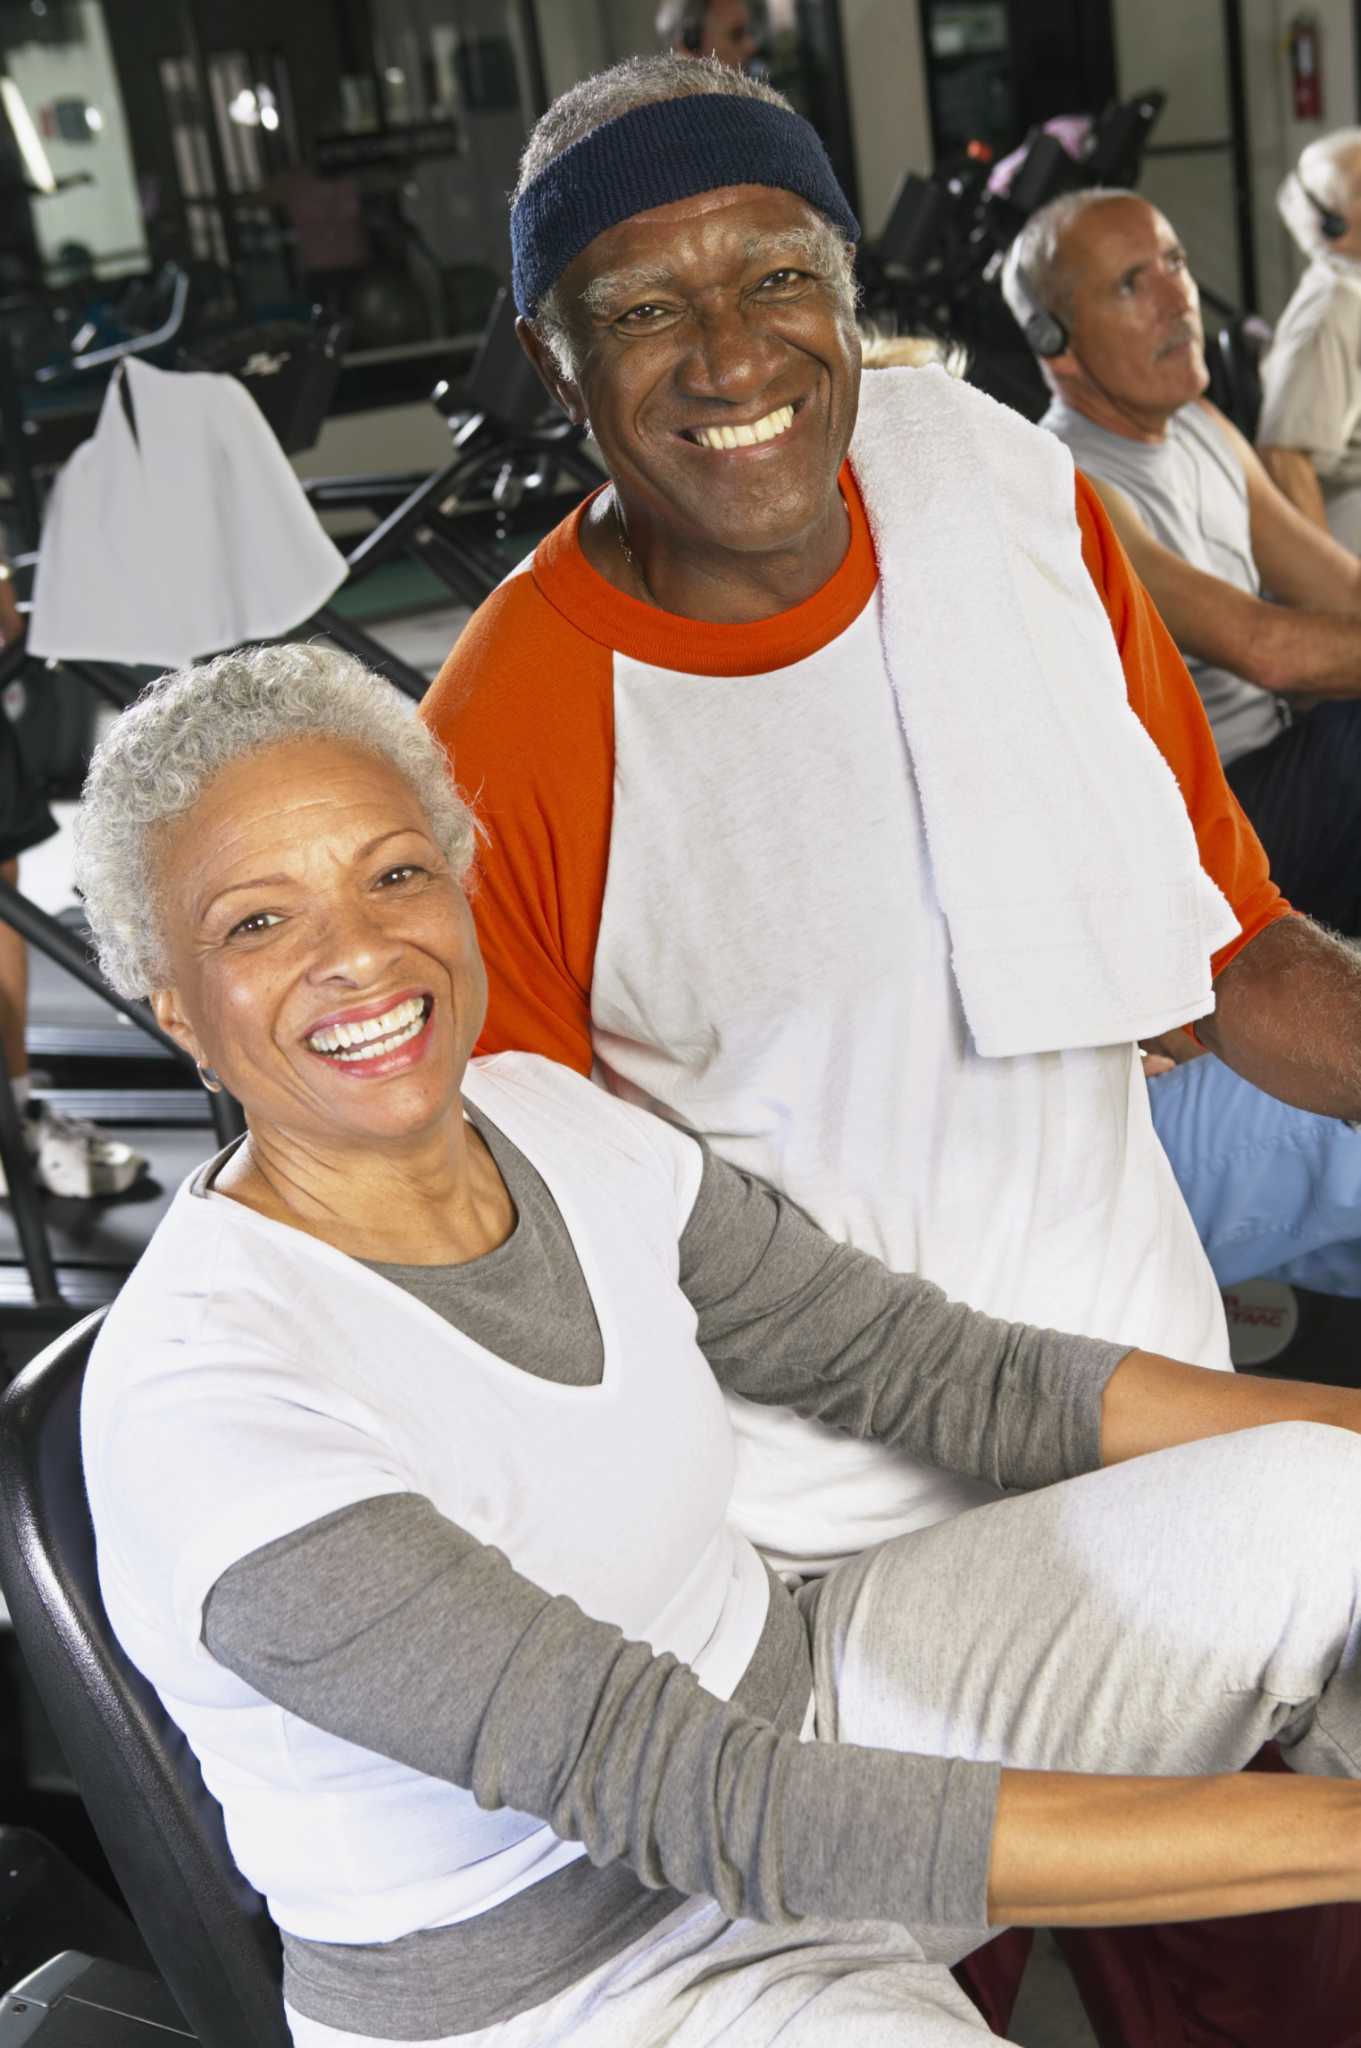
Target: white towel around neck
point(190, 535)
point(1063, 856)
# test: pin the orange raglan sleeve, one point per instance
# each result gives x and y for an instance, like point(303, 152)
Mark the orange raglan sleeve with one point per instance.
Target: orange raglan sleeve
point(1164, 698)
point(524, 707)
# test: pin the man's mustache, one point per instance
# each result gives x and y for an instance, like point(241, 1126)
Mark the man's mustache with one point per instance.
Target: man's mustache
point(1187, 330)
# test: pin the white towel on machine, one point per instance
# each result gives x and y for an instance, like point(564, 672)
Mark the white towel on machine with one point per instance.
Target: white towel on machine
point(176, 532)
point(1064, 859)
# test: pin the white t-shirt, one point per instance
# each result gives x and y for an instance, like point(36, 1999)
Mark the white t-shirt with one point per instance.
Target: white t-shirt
point(773, 970)
point(251, 1379)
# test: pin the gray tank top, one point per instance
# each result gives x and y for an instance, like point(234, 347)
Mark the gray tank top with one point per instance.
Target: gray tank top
point(1192, 495)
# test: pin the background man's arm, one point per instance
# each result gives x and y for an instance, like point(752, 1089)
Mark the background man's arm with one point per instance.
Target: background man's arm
point(1273, 645)
point(1293, 473)
point(1298, 563)
point(1288, 996)
point(1288, 1017)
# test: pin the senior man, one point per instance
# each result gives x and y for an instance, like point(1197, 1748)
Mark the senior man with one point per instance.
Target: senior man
point(1100, 283)
point(839, 809)
point(1309, 434)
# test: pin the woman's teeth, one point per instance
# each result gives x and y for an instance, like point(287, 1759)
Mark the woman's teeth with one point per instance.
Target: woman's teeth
point(774, 424)
point(376, 1035)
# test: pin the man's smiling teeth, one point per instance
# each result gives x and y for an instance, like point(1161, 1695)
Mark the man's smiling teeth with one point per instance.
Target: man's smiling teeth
point(774, 424)
point(374, 1036)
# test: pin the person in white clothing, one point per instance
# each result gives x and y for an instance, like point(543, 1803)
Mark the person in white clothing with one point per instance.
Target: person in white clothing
point(1309, 431)
point(411, 1484)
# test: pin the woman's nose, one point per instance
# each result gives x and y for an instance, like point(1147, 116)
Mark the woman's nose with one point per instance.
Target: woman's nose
point(353, 944)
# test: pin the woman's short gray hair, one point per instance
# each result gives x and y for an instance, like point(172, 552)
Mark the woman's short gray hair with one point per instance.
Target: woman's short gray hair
point(644, 82)
point(184, 729)
point(1330, 170)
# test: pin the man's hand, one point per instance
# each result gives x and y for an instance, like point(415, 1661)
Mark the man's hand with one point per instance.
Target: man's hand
point(1287, 1017)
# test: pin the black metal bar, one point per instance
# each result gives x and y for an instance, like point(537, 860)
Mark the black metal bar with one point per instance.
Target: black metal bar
point(365, 648)
point(442, 553)
point(1214, 145)
point(111, 684)
point(1242, 152)
point(533, 48)
point(27, 519)
point(53, 938)
point(226, 206)
point(390, 534)
point(23, 1198)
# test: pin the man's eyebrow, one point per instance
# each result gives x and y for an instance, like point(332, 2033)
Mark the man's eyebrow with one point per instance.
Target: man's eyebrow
point(809, 243)
point(615, 287)
point(612, 286)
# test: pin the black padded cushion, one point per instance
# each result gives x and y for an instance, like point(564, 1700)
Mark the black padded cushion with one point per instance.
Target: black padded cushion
point(208, 1930)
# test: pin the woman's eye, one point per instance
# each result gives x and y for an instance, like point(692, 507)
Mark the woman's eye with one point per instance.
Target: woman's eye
point(406, 873)
point(258, 921)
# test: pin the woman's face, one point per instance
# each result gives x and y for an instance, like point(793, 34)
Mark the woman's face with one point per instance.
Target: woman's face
point(322, 955)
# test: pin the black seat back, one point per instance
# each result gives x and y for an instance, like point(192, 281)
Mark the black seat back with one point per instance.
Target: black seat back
point(1242, 344)
point(502, 382)
point(207, 1929)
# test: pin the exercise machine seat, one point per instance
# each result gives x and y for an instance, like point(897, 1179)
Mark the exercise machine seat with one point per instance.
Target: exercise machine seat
point(206, 1927)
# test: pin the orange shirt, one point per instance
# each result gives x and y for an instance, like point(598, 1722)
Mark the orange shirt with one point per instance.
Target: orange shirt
point(524, 705)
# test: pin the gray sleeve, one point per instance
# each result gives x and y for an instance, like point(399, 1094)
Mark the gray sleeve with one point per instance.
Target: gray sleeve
point(788, 1316)
point(393, 1628)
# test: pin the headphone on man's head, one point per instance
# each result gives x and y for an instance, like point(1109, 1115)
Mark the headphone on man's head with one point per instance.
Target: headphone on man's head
point(691, 36)
point(1045, 333)
point(1333, 224)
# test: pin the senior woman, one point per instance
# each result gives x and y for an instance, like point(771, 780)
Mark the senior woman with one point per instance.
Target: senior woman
point(410, 1470)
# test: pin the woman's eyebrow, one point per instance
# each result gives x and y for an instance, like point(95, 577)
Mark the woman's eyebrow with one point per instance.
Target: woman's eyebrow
point(234, 888)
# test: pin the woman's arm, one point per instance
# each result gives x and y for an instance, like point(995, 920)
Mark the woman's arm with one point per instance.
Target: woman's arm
point(1072, 1851)
point(394, 1629)
point(786, 1315)
point(389, 1626)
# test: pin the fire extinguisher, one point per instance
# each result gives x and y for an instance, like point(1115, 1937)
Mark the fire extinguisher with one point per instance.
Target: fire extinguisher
point(1306, 75)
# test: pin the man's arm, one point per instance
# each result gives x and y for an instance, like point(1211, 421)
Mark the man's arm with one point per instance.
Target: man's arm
point(1287, 1017)
point(1293, 473)
point(1272, 645)
point(1298, 563)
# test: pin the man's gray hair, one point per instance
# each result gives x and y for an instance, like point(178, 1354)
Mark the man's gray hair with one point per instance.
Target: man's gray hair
point(1331, 169)
point(642, 82)
point(1034, 277)
point(183, 731)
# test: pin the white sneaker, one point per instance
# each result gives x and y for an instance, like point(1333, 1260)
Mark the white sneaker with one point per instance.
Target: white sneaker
point(72, 1157)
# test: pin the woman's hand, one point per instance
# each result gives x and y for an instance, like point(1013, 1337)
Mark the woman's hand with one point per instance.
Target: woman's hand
point(1071, 1851)
point(1151, 1403)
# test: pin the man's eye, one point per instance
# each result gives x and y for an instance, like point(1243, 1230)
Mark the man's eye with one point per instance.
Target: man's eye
point(645, 315)
point(781, 281)
point(258, 921)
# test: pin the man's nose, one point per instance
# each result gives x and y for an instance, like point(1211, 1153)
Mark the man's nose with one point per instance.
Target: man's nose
point(732, 357)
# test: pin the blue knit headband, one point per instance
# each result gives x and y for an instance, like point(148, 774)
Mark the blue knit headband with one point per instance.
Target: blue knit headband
point(669, 150)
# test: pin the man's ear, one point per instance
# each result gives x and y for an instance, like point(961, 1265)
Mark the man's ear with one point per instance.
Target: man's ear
point(165, 1008)
point(546, 363)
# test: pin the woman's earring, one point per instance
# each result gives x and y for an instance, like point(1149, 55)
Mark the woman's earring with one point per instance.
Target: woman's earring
point(208, 1078)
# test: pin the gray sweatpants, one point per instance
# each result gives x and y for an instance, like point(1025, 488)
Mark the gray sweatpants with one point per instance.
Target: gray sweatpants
point(1163, 1618)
